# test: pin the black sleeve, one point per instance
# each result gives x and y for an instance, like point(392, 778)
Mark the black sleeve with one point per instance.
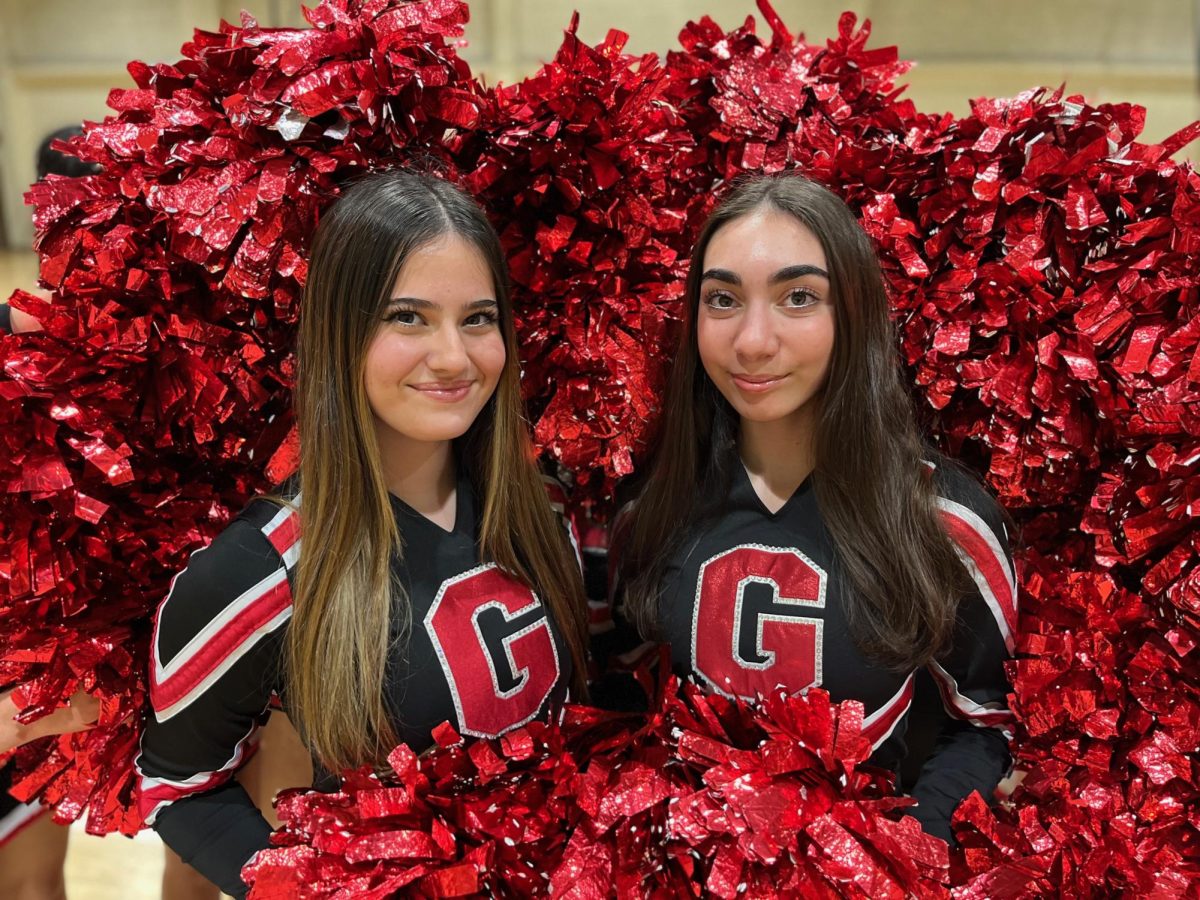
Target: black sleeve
point(5, 319)
point(560, 503)
point(971, 753)
point(215, 657)
point(616, 648)
point(609, 687)
point(965, 759)
point(215, 829)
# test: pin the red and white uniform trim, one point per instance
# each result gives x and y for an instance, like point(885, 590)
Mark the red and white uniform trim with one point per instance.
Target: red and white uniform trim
point(155, 793)
point(987, 563)
point(966, 709)
point(230, 634)
point(879, 725)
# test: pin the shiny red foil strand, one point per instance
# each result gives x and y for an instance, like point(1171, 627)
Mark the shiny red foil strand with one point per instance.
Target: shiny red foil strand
point(1042, 269)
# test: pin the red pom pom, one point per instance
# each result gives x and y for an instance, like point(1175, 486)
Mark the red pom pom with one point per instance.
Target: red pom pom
point(704, 791)
point(157, 399)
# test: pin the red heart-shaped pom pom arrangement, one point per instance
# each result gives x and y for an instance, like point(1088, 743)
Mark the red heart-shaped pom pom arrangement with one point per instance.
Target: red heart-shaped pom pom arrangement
point(1044, 272)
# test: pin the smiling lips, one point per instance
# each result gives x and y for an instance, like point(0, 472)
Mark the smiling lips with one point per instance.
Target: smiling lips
point(756, 384)
point(443, 391)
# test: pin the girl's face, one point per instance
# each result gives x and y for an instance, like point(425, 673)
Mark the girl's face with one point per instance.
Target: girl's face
point(439, 351)
point(765, 322)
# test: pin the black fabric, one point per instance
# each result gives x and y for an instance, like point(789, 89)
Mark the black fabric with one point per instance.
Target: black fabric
point(211, 829)
point(965, 759)
point(926, 719)
point(503, 641)
point(5, 319)
point(7, 801)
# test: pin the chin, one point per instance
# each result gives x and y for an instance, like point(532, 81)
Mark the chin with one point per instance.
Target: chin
point(761, 415)
point(766, 411)
point(771, 410)
point(432, 429)
point(448, 431)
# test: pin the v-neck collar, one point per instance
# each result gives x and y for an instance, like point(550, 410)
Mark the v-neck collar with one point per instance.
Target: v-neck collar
point(464, 510)
point(743, 491)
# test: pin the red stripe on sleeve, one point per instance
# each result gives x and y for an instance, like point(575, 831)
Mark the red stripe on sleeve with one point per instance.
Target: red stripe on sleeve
point(187, 674)
point(284, 535)
point(992, 567)
point(884, 719)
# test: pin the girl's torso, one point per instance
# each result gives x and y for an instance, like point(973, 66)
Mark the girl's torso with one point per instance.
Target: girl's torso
point(479, 651)
point(753, 601)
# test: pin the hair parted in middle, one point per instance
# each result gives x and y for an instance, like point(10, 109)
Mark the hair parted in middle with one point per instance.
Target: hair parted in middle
point(873, 490)
point(338, 638)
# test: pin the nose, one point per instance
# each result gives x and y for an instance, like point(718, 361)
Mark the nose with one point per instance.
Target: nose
point(447, 352)
point(755, 339)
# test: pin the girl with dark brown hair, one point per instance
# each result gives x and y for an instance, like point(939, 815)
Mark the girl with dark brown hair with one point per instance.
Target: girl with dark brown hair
point(416, 575)
point(791, 529)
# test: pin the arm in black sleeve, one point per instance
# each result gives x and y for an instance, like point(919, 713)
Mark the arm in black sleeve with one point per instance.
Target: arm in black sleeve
point(215, 829)
point(608, 635)
point(616, 648)
point(215, 656)
point(971, 753)
point(965, 759)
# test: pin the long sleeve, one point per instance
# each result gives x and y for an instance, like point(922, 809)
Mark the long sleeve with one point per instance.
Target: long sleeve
point(617, 650)
point(610, 686)
point(971, 753)
point(215, 660)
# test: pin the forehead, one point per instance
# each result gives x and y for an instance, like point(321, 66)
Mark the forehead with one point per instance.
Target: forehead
point(763, 238)
point(447, 267)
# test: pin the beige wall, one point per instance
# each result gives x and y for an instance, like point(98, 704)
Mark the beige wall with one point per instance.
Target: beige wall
point(58, 58)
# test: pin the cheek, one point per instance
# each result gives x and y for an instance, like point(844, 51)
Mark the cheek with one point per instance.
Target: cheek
point(711, 342)
point(390, 357)
point(489, 356)
point(822, 344)
point(810, 342)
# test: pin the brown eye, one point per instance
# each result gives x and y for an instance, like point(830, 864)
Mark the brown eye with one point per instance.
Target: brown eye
point(719, 300)
point(482, 319)
point(403, 317)
point(800, 298)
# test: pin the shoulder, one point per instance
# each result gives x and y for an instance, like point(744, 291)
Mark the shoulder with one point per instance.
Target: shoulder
point(961, 495)
point(557, 494)
point(556, 491)
point(231, 595)
point(263, 538)
point(275, 523)
point(978, 527)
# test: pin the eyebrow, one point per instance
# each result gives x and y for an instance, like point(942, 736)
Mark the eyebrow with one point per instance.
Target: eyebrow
point(418, 303)
point(787, 273)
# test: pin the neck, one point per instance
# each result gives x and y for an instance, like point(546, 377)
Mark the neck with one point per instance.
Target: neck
point(421, 473)
point(779, 454)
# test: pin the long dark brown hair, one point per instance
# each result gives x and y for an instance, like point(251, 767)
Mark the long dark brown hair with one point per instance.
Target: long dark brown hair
point(338, 639)
point(875, 495)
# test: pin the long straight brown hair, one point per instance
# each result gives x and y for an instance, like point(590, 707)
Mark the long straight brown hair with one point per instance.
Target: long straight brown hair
point(338, 638)
point(874, 492)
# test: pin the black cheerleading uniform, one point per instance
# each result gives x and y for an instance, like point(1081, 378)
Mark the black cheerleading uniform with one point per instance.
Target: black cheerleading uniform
point(482, 652)
point(753, 600)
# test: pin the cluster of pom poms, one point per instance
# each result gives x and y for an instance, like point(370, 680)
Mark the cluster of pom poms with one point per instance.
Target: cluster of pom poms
point(1044, 268)
point(705, 793)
